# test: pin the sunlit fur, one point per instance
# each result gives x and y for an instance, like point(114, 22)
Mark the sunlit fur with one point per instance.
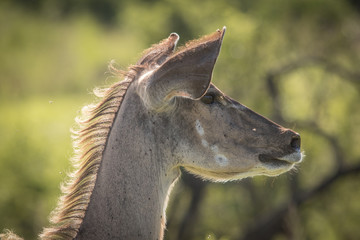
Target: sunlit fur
point(9, 235)
point(89, 143)
point(94, 125)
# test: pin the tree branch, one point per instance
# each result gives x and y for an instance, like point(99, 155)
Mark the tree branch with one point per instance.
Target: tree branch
point(197, 188)
point(267, 226)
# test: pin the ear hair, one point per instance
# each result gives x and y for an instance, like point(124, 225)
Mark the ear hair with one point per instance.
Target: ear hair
point(158, 53)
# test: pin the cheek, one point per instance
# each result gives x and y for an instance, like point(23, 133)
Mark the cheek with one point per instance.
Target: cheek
point(199, 129)
point(217, 156)
point(221, 160)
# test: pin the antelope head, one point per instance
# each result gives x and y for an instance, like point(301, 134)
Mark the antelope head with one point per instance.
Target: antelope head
point(214, 136)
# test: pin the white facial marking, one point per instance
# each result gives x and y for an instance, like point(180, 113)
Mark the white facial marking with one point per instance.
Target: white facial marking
point(214, 148)
point(221, 160)
point(199, 128)
point(204, 143)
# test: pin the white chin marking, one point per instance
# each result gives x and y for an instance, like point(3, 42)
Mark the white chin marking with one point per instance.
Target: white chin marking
point(295, 157)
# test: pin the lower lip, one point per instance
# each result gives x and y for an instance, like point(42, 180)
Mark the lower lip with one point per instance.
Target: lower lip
point(273, 162)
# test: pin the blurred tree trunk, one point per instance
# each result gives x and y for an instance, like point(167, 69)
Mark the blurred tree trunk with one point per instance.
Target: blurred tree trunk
point(268, 226)
point(197, 189)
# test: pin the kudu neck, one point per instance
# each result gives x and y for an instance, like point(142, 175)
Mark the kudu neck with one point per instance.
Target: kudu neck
point(132, 185)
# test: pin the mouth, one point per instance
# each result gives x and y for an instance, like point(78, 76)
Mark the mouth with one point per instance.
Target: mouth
point(284, 162)
point(270, 166)
point(272, 162)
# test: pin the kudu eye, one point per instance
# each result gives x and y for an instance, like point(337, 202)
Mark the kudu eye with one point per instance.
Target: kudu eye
point(208, 99)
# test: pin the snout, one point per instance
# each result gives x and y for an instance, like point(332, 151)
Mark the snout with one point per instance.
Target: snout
point(289, 143)
point(289, 152)
point(295, 142)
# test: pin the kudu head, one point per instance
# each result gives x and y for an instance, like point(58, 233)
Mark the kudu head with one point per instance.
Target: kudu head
point(217, 138)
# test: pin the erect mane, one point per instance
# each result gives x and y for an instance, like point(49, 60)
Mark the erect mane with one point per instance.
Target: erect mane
point(90, 139)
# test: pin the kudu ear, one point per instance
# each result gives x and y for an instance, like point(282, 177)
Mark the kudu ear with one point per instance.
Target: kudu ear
point(187, 73)
point(158, 53)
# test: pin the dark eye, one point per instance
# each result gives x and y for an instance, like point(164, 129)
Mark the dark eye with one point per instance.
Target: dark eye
point(208, 99)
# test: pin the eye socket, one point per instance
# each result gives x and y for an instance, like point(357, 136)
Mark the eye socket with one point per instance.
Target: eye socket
point(208, 98)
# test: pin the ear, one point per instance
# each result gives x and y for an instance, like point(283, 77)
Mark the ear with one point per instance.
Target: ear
point(184, 74)
point(158, 53)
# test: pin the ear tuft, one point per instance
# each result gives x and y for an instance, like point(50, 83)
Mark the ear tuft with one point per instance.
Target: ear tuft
point(207, 39)
point(158, 53)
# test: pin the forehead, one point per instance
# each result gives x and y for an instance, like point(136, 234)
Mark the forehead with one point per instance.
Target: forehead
point(223, 99)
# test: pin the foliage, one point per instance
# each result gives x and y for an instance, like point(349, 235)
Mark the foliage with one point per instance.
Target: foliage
point(293, 61)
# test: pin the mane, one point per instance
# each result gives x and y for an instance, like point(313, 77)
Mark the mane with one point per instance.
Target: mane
point(89, 142)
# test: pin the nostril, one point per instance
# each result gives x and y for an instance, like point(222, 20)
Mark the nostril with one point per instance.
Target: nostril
point(295, 142)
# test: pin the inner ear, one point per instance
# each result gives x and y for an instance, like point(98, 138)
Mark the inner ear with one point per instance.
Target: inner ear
point(187, 73)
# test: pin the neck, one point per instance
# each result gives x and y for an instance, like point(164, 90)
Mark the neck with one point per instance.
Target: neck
point(132, 186)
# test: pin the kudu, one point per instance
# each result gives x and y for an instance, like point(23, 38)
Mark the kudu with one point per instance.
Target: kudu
point(164, 115)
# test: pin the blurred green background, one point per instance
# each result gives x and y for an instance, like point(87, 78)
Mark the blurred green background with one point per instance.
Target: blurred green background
point(296, 62)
